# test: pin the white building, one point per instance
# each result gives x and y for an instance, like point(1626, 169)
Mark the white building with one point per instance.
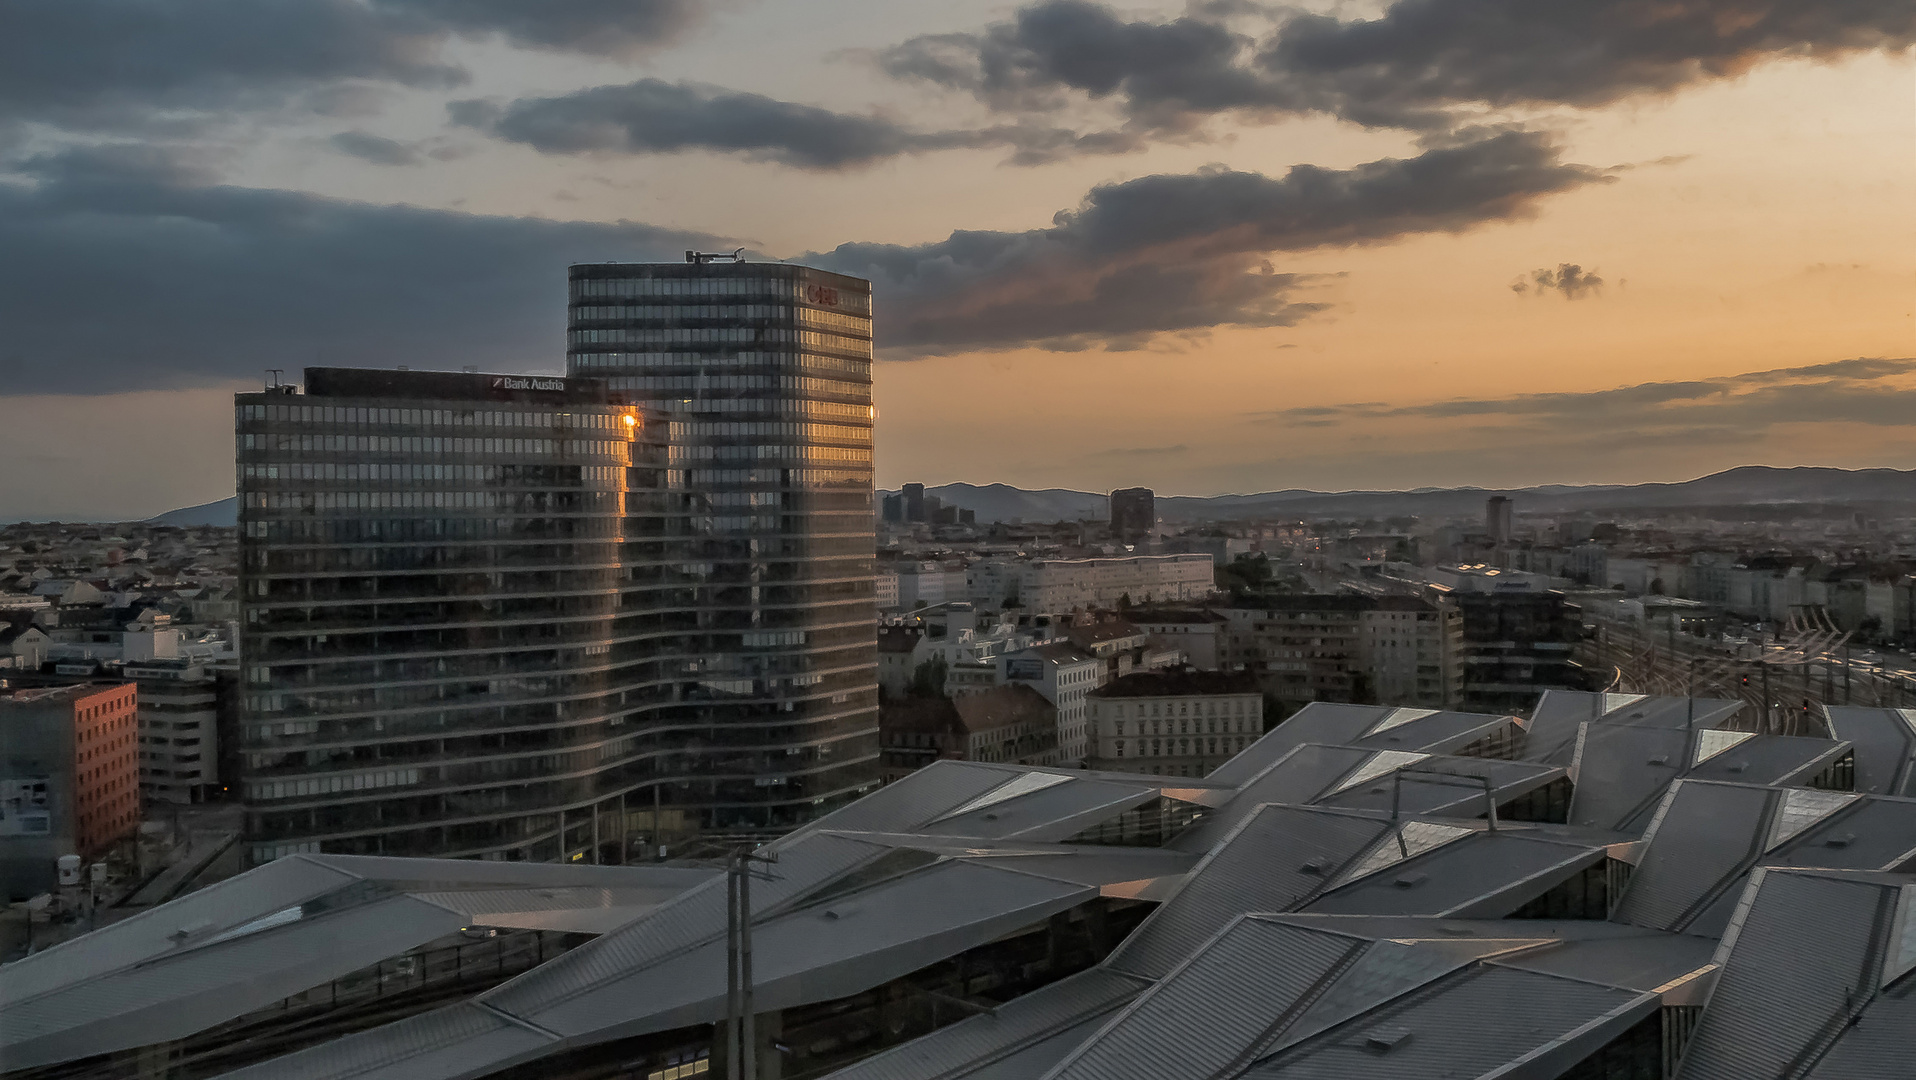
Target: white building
point(1064, 674)
point(1058, 585)
point(179, 725)
point(1174, 723)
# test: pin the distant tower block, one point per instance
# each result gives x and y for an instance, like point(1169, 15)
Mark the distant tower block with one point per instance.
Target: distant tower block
point(1497, 514)
point(1133, 512)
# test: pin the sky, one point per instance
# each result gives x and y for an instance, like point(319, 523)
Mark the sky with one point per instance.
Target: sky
point(1221, 246)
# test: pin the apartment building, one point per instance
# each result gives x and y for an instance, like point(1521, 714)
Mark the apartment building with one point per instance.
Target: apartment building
point(1174, 723)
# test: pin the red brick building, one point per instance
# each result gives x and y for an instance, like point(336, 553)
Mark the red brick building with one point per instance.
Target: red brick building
point(69, 778)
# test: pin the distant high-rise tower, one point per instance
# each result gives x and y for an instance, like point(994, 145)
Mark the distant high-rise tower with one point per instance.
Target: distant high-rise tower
point(914, 496)
point(450, 629)
point(1497, 517)
point(1133, 512)
point(763, 371)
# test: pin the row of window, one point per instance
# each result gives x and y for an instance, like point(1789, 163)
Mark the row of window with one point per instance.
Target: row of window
point(704, 383)
point(414, 500)
point(609, 363)
point(1238, 707)
point(330, 785)
point(734, 428)
point(719, 335)
point(1190, 726)
point(604, 476)
point(426, 444)
point(1181, 747)
point(829, 409)
point(592, 312)
point(832, 455)
point(706, 478)
point(476, 417)
point(719, 288)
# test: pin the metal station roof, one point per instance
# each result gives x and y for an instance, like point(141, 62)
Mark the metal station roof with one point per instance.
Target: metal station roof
point(1555, 722)
point(1377, 727)
point(1815, 980)
point(293, 924)
point(1622, 771)
point(1302, 928)
point(1709, 837)
point(1885, 746)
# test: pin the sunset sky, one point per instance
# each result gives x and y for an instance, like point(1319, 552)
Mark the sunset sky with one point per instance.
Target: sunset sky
point(1216, 247)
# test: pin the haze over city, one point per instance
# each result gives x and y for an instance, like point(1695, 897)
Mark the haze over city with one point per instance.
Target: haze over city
point(1209, 248)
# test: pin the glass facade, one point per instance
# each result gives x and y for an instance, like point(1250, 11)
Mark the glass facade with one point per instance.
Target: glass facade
point(761, 374)
point(438, 623)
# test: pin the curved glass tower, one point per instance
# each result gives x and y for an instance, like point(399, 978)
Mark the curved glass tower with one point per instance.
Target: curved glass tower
point(761, 373)
point(435, 573)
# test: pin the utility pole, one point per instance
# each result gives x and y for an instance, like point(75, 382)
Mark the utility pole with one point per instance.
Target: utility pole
point(741, 1035)
point(1768, 725)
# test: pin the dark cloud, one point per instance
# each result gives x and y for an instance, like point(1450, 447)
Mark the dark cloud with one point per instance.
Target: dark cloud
point(616, 28)
point(129, 268)
point(1569, 279)
point(1422, 65)
point(1187, 252)
point(652, 116)
point(373, 148)
point(121, 272)
point(138, 64)
point(1864, 390)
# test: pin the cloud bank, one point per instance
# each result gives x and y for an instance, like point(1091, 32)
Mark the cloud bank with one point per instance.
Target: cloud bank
point(1422, 65)
point(1170, 253)
point(652, 116)
point(128, 270)
point(160, 65)
point(1874, 391)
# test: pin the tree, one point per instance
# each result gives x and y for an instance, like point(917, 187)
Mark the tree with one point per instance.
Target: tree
point(928, 678)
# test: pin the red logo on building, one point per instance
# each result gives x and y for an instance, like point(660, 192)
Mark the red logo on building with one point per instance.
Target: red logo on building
point(822, 295)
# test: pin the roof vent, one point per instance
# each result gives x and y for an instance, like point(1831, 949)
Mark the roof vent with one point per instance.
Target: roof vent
point(1411, 880)
point(1315, 866)
point(1382, 1040)
point(1840, 841)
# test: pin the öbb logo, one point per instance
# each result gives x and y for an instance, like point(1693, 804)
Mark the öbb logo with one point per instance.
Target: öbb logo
point(822, 295)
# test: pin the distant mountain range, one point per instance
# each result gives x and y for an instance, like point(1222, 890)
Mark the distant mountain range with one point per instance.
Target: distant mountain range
point(1751, 485)
point(224, 512)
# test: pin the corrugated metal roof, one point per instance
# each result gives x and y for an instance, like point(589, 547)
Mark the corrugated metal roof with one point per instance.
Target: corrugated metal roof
point(1223, 998)
point(1022, 1037)
point(1709, 835)
point(151, 934)
point(464, 1040)
point(1469, 873)
point(1052, 813)
point(1885, 747)
point(690, 921)
point(1262, 867)
point(1803, 959)
point(201, 987)
point(1374, 726)
point(1442, 1032)
point(912, 800)
point(1553, 723)
point(815, 953)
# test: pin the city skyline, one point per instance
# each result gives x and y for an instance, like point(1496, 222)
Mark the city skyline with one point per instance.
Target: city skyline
point(1212, 260)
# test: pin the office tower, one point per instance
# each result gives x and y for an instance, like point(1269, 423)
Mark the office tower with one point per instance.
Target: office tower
point(914, 496)
point(442, 644)
point(71, 782)
point(1133, 512)
point(763, 372)
point(1497, 511)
